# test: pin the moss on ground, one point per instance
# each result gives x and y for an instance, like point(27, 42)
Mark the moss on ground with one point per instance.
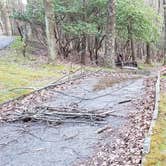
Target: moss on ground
point(148, 67)
point(15, 76)
point(157, 156)
point(18, 73)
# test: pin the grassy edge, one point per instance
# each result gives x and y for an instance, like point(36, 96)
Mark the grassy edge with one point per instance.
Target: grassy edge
point(157, 155)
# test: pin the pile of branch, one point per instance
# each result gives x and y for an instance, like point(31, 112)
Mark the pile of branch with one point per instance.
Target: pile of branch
point(59, 115)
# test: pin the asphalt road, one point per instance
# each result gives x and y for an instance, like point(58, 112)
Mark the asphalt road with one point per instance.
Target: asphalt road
point(37, 144)
point(5, 41)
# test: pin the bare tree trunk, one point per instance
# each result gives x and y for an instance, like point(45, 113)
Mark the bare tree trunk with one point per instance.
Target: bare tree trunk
point(148, 56)
point(83, 40)
point(132, 49)
point(50, 29)
point(110, 37)
point(8, 24)
point(6, 17)
point(164, 6)
point(159, 6)
point(83, 49)
point(130, 35)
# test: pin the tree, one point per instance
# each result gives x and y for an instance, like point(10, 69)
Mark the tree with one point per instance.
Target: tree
point(164, 6)
point(148, 57)
point(85, 28)
point(137, 21)
point(5, 14)
point(50, 28)
point(83, 46)
point(110, 35)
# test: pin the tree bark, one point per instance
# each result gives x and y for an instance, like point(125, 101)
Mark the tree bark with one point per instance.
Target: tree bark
point(164, 6)
point(132, 49)
point(83, 49)
point(110, 36)
point(83, 40)
point(50, 29)
point(148, 55)
point(131, 38)
point(6, 18)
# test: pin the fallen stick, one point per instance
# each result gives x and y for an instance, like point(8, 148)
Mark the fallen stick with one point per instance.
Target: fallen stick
point(71, 137)
point(75, 112)
point(61, 81)
point(108, 113)
point(103, 129)
point(126, 101)
point(24, 88)
point(54, 121)
point(59, 115)
point(56, 117)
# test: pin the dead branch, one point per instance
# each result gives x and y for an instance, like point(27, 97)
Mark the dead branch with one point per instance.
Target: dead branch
point(22, 88)
point(71, 137)
point(125, 101)
point(57, 116)
point(103, 129)
point(63, 80)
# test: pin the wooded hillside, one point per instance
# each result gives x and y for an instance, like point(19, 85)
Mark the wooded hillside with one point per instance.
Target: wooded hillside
point(99, 32)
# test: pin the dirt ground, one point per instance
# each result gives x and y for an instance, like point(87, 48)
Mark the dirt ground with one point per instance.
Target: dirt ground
point(117, 140)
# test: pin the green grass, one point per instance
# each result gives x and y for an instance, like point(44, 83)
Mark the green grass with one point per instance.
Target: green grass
point(163, 76)
point(18, 44)
point(17, 73)
point(143, 66)
point(157, 156)
point(153, 65)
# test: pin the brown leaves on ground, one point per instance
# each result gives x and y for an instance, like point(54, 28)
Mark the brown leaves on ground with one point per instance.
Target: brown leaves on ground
point(126, 150)
point(112, 79)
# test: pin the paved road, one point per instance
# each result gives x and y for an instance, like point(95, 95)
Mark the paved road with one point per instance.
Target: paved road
point(37, 144)
point(5, 41)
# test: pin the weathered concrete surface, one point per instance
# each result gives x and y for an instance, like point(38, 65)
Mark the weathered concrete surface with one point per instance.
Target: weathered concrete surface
point(5, 41)
point(36, 144)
